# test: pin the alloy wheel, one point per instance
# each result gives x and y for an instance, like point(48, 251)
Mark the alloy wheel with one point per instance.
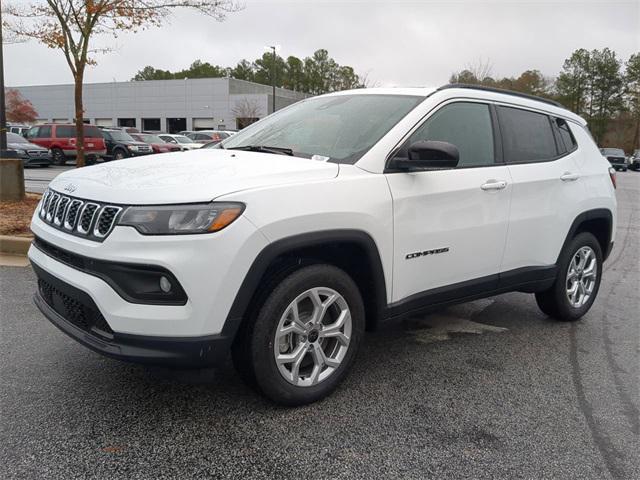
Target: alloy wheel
point(581, 277)
point(313, 336)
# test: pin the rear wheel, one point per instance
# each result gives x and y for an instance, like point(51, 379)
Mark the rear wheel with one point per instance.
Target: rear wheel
point(578, 280)
point(305, 336)
point(57, 155)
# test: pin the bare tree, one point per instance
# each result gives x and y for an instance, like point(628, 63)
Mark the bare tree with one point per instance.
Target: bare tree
point(481, 69)
point(247, 110)
point(71, 26)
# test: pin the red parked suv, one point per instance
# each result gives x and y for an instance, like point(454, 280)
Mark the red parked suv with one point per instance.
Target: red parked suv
point(60, 139)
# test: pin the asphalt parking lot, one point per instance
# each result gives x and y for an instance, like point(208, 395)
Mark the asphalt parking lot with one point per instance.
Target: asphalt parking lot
point(37, 179)
point(490, 389)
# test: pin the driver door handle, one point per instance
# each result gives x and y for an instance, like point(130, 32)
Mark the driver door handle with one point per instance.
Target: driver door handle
point(569, 177)
point(494, 185)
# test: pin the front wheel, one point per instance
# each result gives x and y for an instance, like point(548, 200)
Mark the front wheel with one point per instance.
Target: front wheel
point(578, 280)
point(57, 155)
point(305, 336)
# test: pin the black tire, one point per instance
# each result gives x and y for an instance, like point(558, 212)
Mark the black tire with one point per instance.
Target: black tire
point(253, 351)
point(119, 154)
point(57, 156)
point(554, 301)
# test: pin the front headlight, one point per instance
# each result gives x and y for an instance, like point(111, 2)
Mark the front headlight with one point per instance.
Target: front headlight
point(20, 151)
point(133, 148)
point(182, 219)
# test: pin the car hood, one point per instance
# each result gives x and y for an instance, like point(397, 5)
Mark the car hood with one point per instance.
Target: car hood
point(184, 177)
point(25, 146)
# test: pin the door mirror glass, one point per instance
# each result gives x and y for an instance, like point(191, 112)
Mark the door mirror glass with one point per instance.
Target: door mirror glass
point(429, 155)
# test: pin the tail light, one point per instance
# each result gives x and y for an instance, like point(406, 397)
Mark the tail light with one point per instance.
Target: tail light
point(612, 176)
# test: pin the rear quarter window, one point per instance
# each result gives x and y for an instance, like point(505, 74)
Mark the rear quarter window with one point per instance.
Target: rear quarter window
point(566, 140)
point(526, 136)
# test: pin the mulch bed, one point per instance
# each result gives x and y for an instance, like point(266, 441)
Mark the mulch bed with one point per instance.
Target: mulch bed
point(15, 217)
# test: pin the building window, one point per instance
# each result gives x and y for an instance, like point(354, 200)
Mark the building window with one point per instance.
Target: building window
point(151, 125)
point(127, 122)
point(176, 125)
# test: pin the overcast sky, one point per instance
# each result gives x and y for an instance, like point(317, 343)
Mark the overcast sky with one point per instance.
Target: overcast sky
point(404, 43)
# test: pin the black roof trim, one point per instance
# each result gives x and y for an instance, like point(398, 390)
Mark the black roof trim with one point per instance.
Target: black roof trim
point(501, 90)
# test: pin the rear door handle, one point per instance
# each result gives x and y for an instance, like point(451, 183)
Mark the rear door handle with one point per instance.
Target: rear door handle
point(569, 177)
point(494, 185)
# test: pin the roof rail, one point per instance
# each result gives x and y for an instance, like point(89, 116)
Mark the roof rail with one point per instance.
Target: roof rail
point(501, 90)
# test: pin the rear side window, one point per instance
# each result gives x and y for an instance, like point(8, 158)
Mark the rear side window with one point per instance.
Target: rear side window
point(465, 125)
point(526, 136)
point(65, 131)
point(566, 141)
point(69, 131)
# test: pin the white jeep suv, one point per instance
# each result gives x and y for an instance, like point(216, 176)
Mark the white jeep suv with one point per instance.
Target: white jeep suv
point(305, 229)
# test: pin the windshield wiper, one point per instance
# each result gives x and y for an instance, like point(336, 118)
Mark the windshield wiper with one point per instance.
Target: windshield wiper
point(264, 149)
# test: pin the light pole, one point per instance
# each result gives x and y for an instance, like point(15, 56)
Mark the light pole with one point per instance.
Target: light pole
point(273, 77)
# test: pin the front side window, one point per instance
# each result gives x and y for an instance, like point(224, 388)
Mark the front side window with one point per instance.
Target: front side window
point(526, 136)
point(341, 128)
point(44, 132)
point(463, 124)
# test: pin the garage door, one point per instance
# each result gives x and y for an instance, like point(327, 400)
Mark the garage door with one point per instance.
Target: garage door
point(104, 122)
point(204, 124)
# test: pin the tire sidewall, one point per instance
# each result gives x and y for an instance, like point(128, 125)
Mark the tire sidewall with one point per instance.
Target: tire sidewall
point(566, 310)
point(58, 156)
point(267, 375)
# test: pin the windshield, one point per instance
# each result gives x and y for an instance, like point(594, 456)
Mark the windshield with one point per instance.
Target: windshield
point(341, 128)
point(121, 136)
point(15, 138)
point(150, 138)
point(612, 151)
point(182, 139)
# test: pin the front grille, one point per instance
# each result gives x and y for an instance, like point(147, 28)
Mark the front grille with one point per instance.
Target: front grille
point(86, 217)
point(72, 214)
point(79, 217)
point(61, 210)
point(73, 308)
point(105, 221)
point(38, 153)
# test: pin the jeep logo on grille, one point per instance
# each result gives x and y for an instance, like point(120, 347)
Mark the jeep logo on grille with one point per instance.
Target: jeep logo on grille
point(70, 188)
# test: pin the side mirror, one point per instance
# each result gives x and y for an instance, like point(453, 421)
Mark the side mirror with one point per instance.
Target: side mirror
point(428, 155)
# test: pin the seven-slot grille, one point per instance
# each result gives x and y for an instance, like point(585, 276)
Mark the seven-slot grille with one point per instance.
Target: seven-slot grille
point(84, 218)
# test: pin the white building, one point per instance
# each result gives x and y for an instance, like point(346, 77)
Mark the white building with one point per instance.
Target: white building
point(165, 105)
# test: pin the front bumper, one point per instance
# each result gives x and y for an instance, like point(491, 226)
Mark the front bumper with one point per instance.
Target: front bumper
point(29, 160)
point(73, 312)
point(210, 268)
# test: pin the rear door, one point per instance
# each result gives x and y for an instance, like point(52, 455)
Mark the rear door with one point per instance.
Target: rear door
point(450, 226)
point(541, 154)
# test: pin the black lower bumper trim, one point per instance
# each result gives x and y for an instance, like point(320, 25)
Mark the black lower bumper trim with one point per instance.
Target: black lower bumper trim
point(189, 352)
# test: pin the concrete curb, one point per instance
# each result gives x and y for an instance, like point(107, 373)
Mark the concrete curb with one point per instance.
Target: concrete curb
point(15, 245)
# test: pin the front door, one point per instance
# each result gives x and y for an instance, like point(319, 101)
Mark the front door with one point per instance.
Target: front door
point(450, 226)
